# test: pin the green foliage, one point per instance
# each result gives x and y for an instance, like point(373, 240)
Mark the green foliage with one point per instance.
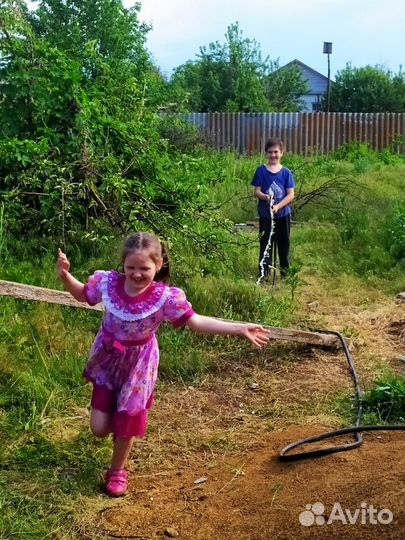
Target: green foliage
point(80, 153)
point(395, 231)
point(293, 278)
point(225, 77)
point(354, 151)
point(386, 400)
point(367, 89)
point(361, 154)
point(234, 77)
point(43, 397)
point(40, 86)
point(181, 135)
point(285, 87)
point(350, 212)
point(3, 250)
point(193, 364)
point(237, 300)
point(373, 237)
point(61, 120)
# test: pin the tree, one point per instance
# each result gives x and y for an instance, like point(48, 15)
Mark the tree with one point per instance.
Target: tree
point(115, 32)
point(225, 77)
point(74, 122)
point(234, 77)
point(102, 29)
point(34, 75)
point(65, 55)
point(81, 156)
point(244, 73)
point(368, 89)
point(284, 88)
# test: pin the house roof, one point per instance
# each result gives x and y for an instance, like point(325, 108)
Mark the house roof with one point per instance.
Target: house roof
point(301, 64)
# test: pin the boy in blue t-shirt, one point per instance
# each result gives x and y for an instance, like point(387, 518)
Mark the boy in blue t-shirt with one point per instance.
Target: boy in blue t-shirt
point(274, 185)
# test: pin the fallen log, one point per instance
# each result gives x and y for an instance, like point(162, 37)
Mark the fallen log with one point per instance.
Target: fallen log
point(51, 296)
point(40, 294)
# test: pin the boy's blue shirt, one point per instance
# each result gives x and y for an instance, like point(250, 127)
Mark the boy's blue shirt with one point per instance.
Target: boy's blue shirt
point(278, 182)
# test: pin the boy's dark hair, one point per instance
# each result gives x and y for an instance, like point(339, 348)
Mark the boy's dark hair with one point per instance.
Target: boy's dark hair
point(158, 250)
point(274, 142)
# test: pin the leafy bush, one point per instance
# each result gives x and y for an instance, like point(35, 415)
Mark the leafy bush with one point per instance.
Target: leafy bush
point(395, 231)
point(353, 151)
point(180, 134)
point(362, 155)
point(80, 152)
point(386, 400)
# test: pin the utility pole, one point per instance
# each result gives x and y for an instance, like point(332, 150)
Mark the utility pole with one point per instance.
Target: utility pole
point(327, 49)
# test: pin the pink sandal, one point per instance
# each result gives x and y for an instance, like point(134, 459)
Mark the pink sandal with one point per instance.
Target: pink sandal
point(116, 482)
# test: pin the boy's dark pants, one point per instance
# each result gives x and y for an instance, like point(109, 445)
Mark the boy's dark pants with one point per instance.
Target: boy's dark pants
point(281, 239)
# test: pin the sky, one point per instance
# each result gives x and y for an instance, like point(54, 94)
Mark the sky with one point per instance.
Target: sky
point(363, 32)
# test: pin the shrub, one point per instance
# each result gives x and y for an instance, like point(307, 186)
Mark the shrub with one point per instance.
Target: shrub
point(180, 134)
point(386, 400)
point(395, 231)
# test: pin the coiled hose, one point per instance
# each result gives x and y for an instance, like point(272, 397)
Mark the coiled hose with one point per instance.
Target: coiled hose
point(357, 429)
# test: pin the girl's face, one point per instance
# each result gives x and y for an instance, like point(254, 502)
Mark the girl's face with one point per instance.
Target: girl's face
point(140, 270)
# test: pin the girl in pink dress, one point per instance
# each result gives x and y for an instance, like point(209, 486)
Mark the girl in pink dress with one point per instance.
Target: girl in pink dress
point(124, 357)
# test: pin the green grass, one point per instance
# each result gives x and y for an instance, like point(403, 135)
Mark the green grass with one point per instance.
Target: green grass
point(385, 402)
point(51, 465)
point(50, 461)
point(362, 232)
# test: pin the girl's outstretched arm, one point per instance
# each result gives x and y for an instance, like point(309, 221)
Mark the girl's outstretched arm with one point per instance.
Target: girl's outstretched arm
point(255, 333)
point(70, 283)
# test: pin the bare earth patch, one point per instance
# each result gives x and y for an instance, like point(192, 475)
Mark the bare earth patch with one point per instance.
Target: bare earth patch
point(253, 495)
point(226, 434)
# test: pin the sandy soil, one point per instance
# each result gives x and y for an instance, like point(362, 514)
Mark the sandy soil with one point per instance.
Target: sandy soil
point(209, 467)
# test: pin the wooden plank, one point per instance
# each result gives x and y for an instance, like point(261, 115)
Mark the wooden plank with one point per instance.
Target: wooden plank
point(40, 294)
point(51, 296)
point(299, 336)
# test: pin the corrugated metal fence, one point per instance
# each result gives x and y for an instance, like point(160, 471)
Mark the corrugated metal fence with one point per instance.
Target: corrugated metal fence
point(302, 133)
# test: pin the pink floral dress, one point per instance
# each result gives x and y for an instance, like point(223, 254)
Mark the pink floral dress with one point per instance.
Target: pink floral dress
point(125, 354)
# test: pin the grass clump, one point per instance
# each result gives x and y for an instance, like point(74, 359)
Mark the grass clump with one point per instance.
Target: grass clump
point(382, 404)
point(385, 402)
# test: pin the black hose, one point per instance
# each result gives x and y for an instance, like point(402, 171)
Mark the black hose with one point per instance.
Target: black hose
point(356, 429)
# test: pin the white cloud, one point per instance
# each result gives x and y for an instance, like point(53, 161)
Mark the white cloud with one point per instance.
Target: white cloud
point(362, 31)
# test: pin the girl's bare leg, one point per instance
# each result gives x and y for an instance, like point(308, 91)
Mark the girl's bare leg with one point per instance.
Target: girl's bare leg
point(121, 451)
point(100, 423)
point(116, 478)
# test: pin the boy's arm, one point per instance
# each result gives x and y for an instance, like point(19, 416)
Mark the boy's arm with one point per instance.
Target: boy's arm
point(71, 284)
point(260, 195)
point(287, 199)
point(255, 333)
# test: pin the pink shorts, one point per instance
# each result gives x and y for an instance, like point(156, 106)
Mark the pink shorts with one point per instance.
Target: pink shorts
point(123, 424)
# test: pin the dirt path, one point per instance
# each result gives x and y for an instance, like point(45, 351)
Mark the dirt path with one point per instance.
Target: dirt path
point(253, 495)
point(229, 430)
